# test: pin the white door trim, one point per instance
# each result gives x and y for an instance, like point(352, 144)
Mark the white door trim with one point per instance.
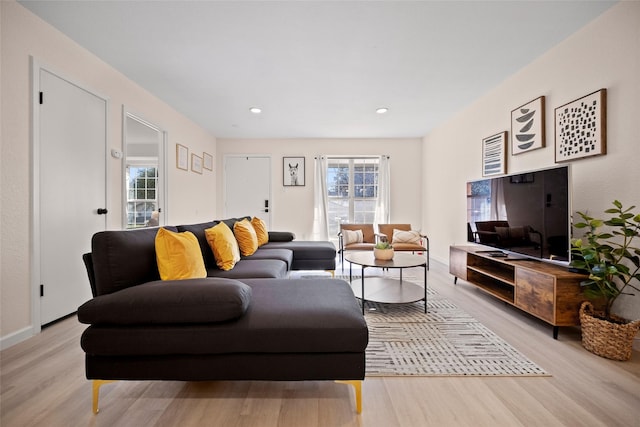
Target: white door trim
point(34, 209)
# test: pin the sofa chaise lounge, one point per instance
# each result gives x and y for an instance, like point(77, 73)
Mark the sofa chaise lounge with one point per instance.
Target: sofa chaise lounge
point(266, 327)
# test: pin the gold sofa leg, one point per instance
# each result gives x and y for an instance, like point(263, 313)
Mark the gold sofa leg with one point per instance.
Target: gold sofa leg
point(333, 273)
point(357, 386)
point(96, 392)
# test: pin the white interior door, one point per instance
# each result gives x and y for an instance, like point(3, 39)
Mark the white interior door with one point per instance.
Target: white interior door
point(248, 187)
point(71, 146)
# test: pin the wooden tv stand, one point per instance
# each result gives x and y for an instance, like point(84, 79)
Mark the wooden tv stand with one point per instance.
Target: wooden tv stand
point(548, 291)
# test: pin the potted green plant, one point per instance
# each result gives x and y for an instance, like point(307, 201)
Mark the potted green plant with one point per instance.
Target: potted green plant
point(383, 250)
point(606, 252)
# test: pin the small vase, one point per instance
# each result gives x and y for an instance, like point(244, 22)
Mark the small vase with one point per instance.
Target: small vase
point(383, 254)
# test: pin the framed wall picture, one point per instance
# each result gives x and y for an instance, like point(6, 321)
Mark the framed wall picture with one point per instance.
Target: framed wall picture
point(196, 163)
point(293, 171)
point(182, 157)
point(581, 127)
point(207, 160)
point(527, 127)
point(494, 154)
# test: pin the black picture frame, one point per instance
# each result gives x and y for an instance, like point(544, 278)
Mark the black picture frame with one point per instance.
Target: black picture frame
point(293, 171)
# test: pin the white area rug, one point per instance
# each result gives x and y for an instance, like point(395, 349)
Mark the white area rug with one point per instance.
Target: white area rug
point(404, 341)
point(446, 341)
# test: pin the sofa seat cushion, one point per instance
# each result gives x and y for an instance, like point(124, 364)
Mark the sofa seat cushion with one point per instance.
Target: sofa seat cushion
point(285, 316)
point(169, 302)
point(285, 255)
point(253, 268)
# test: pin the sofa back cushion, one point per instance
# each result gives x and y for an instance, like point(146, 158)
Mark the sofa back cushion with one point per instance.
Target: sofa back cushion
point(124, 258)
point(198, 231)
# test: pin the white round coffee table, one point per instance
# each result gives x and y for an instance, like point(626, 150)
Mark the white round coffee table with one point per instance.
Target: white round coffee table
point(383, 289)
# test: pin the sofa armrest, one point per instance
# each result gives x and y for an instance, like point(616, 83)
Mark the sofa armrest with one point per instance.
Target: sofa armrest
point(281, 236)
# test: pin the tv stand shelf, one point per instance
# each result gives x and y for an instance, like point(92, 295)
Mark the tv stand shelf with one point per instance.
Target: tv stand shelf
point(547, 291)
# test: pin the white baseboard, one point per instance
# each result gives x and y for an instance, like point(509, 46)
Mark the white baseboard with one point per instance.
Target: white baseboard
point(16, 337)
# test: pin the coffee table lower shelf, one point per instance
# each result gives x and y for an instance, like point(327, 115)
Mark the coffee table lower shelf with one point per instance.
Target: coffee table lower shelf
point(387, 291)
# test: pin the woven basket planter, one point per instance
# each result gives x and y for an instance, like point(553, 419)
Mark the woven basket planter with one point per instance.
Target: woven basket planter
point(604, 338)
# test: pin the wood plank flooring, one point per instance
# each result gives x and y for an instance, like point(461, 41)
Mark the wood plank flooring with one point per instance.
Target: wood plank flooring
point(43, 384)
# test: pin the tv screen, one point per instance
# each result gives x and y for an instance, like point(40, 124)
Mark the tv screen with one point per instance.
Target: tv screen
point(526, 213)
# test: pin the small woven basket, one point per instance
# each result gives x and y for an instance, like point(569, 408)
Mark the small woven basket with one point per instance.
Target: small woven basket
point(607, 339)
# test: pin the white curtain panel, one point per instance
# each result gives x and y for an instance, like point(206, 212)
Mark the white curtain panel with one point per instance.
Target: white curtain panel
point(383, 202)
point(320, 223)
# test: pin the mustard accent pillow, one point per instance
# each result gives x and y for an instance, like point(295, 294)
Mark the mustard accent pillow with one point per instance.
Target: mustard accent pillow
point(261, 230)
point(179, 256)
point(224, 245)
point(246, 237)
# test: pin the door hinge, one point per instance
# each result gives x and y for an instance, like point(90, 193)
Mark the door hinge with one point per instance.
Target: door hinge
point(41, 290)
point(41, 98)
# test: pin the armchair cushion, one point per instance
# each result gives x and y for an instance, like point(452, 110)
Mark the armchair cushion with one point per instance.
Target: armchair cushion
point(368, 235)
point(401, 236)
point(352, 236)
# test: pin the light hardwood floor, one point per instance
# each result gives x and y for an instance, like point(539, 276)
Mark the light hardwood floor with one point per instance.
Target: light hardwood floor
point(43, 384)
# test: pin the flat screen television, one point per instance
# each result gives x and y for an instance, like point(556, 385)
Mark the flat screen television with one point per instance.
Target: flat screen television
point(525, 213)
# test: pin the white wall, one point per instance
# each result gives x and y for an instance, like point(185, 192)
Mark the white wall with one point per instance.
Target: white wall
point(23, 35)
point(406, 175)
point(604, 54)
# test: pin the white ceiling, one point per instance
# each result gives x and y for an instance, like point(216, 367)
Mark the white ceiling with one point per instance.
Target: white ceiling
point(318, 69)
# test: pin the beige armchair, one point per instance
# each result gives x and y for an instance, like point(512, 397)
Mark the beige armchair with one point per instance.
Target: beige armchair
point(413, 241)
point(355, 237)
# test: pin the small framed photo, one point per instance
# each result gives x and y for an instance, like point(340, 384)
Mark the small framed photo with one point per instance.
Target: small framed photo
point(293, 171)
point(182, 157)
point(207, 161)
point(494, 158)
point(196, 163)
point(527, 127)
point(581, 127)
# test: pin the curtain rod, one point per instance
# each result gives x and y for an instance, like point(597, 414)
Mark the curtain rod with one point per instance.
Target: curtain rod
point(355, 157)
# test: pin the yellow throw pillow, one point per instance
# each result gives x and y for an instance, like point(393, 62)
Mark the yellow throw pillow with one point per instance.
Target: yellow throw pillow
point(179, 256)
point(246, 237)
point(261, 230)
point(224, 245)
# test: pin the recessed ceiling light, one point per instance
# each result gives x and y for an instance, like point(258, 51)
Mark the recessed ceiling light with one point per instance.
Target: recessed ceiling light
point(255, 110)
point(382, 110)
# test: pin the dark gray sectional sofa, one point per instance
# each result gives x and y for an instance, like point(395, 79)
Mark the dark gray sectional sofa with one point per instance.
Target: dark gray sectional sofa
point(248, 323)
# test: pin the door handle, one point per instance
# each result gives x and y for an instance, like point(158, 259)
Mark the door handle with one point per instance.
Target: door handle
point(102, 211)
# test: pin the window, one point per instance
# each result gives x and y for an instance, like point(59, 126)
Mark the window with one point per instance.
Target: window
point(141, 194)
point(352, 190)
